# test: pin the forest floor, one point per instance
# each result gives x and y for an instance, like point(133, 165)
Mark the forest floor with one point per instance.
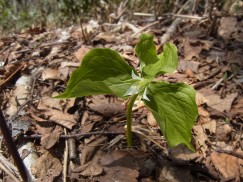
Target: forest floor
point(83, 139)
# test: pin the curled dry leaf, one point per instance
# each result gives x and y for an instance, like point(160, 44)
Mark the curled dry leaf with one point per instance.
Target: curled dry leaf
point(229, 167)
point(79, 54)
point(89, 150)
point(201, 136)
point(191, 65)
point(213, 100)
point(46, 167)
point(193, 47)
point(49, 73)
point(223, 132)
point(50, 139)
point(94, 168)
point(64, 119)
point(182, 153)
point(106, 106)
point(170, 173)
point(20, 94)
point(86, 124)
point(228, 25)
point(238, 108)
point(119, 164)
point(49, 102)
point(201, 139)
point(65, 64)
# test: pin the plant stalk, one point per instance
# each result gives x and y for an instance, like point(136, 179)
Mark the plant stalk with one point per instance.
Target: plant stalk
point(129, 120)
point(13, 149)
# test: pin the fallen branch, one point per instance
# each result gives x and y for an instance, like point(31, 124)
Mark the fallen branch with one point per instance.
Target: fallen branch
point(13, 150)
point(36, 136)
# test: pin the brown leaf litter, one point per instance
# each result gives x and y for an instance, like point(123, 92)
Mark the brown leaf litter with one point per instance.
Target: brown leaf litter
point(32, 74)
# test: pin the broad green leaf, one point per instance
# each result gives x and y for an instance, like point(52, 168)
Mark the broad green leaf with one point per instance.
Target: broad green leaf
point(151, 64)
point(102, 71)
point(168, 59)
point(146, 52)
point(175, 110)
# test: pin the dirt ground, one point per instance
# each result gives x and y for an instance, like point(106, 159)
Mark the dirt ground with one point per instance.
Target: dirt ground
point(83, 139)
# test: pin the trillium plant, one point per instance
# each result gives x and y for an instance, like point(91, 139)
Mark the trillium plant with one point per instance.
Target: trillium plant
point(104, 71)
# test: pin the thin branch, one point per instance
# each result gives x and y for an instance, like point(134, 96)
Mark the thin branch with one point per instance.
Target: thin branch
point(6, 170)
point(13, 149)
point(233, 153)
point(65, 161)
point(35, 136)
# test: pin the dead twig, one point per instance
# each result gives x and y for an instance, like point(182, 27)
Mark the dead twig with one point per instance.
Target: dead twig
point(9, 172)
point(65, 160)
point(53, 44)
point(14, 73)
point(144, 28)
point(143, 14)
point(166, 37)
point(13, 150)
point(146, 137)
point(202, 84)
point(9, 168)
point(187, 16)
point(35, 136)
point(213, 73)
point(233, 153)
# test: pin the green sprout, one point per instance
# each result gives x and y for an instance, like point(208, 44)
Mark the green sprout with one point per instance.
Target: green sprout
point(104, 71)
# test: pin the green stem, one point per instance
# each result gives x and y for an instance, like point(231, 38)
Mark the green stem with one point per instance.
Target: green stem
point(129, 120)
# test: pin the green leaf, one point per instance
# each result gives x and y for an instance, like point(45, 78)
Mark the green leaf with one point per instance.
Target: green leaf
point(175, 110)
point(168, 59)
point(151, 64)
point(146, 52)
point(102, 71)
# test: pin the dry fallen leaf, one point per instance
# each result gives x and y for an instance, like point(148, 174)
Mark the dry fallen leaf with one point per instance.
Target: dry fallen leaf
point(50, 139)
point(170, 173)
point(79, 54)
point(192, 65)
point(48, 102)
point(86, 124)
point(182, 153)
point(20, 94)
point(227, 27)
point(89, 150)
point(119, 165)
point(201, 139)
point(64, 119)
point(228, 166)
point(106, 106)
point(193, 47)
point(49, 73)
point(191, 51)
point(237, 108)
point(46, 167)
point(106, 37)
point(213, 100)
point(94, 168)
point(223, 132)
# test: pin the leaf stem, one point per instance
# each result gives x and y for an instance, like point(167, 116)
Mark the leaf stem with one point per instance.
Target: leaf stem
point(129, 120)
